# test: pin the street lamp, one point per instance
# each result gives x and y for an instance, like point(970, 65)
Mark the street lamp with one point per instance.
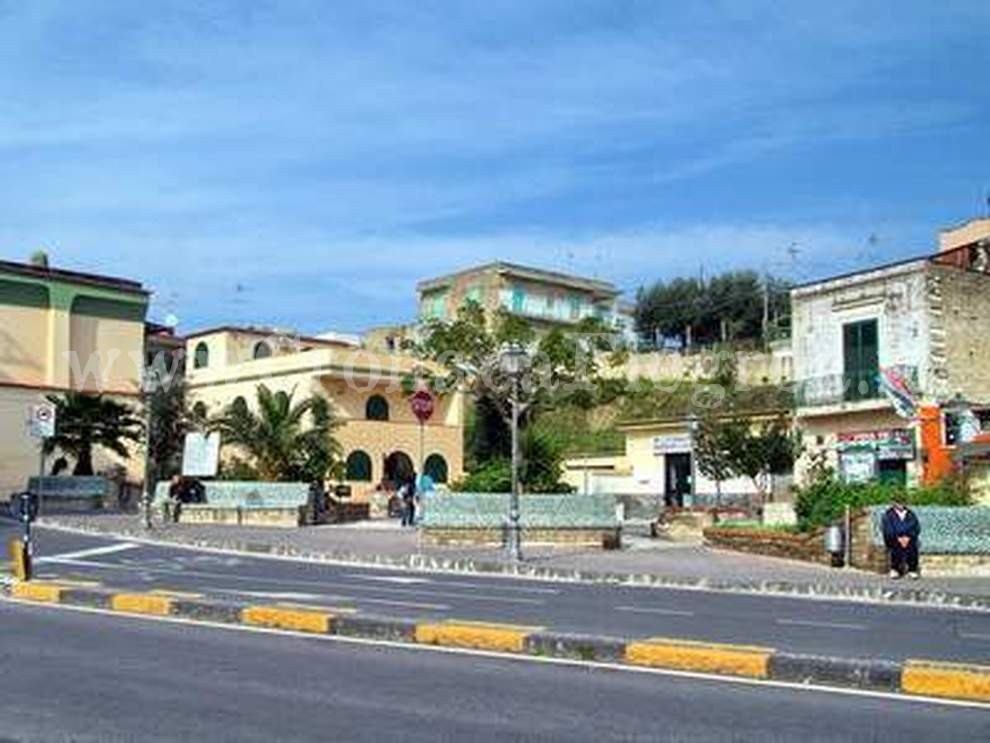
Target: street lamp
point(148, 387)
point(514, 362)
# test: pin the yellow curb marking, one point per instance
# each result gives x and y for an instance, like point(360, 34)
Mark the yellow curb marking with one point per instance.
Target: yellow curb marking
point(284, 617)
point(142, 603)
point(478, 635)
point(685, 655)
point(50, 593)
point(953, 680)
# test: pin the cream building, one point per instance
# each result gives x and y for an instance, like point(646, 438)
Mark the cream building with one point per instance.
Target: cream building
point(61, 331)
point(380, 436)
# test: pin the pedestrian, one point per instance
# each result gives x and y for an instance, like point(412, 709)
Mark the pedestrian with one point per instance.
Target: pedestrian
point(408, 493)
point(901, 530)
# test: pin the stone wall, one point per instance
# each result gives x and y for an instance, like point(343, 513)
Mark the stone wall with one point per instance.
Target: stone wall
point(959, 303)
point(804, 547)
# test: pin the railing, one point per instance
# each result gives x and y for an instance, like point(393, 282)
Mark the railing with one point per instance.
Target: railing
point(848, 387)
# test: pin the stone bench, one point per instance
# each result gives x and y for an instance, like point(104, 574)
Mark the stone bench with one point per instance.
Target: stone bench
point(76, 493)
point(284, 504)
point(482, 518)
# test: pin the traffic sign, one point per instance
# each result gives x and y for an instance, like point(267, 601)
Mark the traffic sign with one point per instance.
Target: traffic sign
point(422, 405)
point(41, 420)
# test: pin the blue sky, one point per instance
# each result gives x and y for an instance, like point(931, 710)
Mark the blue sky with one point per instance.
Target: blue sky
point(304, 163)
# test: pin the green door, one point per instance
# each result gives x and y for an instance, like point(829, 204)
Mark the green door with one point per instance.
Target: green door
point(861, 360)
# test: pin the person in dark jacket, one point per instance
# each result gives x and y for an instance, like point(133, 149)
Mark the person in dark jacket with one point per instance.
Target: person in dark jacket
point(901, 530)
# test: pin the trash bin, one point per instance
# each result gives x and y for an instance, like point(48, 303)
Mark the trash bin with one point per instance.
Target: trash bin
point(835, 544)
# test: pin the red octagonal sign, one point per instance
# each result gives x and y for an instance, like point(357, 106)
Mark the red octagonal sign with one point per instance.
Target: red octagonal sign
point(422, 405)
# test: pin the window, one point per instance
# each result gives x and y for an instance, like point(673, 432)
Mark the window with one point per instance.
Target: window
point(199, 411)
point(575, 307)
point(262, 350)
point(201, 357)
point(473, 295)
point(376, 409)
point(518, 300)
point(358, 466)
point(435, 467)
point(239, 405)
point(861, 362)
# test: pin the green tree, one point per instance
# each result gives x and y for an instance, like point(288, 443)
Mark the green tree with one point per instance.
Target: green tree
point(170, 422)
point(85, 423)
point(278, 443)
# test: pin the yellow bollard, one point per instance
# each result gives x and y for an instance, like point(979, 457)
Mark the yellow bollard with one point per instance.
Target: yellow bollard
point(20, 560)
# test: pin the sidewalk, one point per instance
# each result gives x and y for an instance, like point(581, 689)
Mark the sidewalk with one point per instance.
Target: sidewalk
point(643, 561)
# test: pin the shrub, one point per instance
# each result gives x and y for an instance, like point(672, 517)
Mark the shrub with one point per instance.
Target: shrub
point(825, 499)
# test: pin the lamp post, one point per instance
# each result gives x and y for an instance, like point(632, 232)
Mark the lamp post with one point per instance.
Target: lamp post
point(513, 361)
point(693, 424)
point(148, 387)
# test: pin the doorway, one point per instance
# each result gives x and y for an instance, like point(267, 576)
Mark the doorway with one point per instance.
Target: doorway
point(677, 478)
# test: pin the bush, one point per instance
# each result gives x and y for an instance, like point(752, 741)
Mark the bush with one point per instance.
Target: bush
point(825, 499)
point(494, 476)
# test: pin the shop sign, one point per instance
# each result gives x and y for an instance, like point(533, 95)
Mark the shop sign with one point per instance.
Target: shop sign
point(672, 444)
point(893, 443)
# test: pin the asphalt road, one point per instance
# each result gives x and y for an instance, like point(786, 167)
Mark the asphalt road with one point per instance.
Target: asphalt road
point(86, 677)
point(800, 625)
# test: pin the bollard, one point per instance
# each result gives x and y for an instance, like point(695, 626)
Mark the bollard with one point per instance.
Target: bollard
point(20, 559)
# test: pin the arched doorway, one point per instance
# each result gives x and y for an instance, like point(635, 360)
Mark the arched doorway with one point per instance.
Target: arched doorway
point(435, 468)
point(398, 468)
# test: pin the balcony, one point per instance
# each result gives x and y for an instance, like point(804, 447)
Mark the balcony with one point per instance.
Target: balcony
point(850, 387)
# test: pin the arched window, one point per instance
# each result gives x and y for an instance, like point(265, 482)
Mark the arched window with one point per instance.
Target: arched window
point(201, 357)
point(239, 404)
point(435, 467)
point(358, 466)
point(262, 350)
point(376, 409)
point(200, 411)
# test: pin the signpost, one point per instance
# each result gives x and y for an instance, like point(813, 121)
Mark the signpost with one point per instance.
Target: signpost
point(422, 406)
point(41, 425)
point(201, 454)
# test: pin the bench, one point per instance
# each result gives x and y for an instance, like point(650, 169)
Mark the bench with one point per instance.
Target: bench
point(482, 518)
point(284, 504)
point(76, 493)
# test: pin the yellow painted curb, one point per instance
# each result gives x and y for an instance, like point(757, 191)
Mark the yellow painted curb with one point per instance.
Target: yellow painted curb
point(50, 593)
point(954, 680)
point(283, 617)
point(501, 637)
point(734, 660)
point(142, 603)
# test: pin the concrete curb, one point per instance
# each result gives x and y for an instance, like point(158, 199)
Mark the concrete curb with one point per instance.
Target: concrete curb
point(429, 563)
point(928, 678)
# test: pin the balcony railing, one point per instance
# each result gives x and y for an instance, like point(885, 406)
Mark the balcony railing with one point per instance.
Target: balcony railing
point(834, 389)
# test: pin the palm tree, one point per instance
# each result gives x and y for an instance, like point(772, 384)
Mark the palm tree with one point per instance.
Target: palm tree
point(275, 439)
point(86, 422)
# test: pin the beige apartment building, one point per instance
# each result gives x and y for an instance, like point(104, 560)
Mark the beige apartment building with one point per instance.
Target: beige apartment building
point(381, 438)
point(544, 298)
point(61, 331)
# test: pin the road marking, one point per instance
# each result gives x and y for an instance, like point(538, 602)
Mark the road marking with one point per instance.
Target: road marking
point(296, 582)
point(827, 625)
point(798, 687)
point(655, 610)
point(974, 636)
point(289, 596)
point(70, 557)
point(403, 580)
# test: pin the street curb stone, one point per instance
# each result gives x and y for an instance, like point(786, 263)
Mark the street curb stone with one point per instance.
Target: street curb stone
point(879, 675)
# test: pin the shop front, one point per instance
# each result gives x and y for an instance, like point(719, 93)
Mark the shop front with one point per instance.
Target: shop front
point(882, 455)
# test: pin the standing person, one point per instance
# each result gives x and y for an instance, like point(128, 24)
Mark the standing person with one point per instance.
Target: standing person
point(408, 494)
point(901, 530)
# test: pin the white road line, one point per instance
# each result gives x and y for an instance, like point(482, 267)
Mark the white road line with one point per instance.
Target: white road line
point(655, 610)
point(401, 579)
point(452, 583)
point(828, 625)
point(290, 596)
point(93, 552)
point(974, 636)
point(295, 582)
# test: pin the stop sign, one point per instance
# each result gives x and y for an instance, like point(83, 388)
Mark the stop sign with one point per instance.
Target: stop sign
point(422, 405)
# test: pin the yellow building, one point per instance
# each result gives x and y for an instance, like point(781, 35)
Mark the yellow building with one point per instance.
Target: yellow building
point(61, 331)
point(380, 436)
